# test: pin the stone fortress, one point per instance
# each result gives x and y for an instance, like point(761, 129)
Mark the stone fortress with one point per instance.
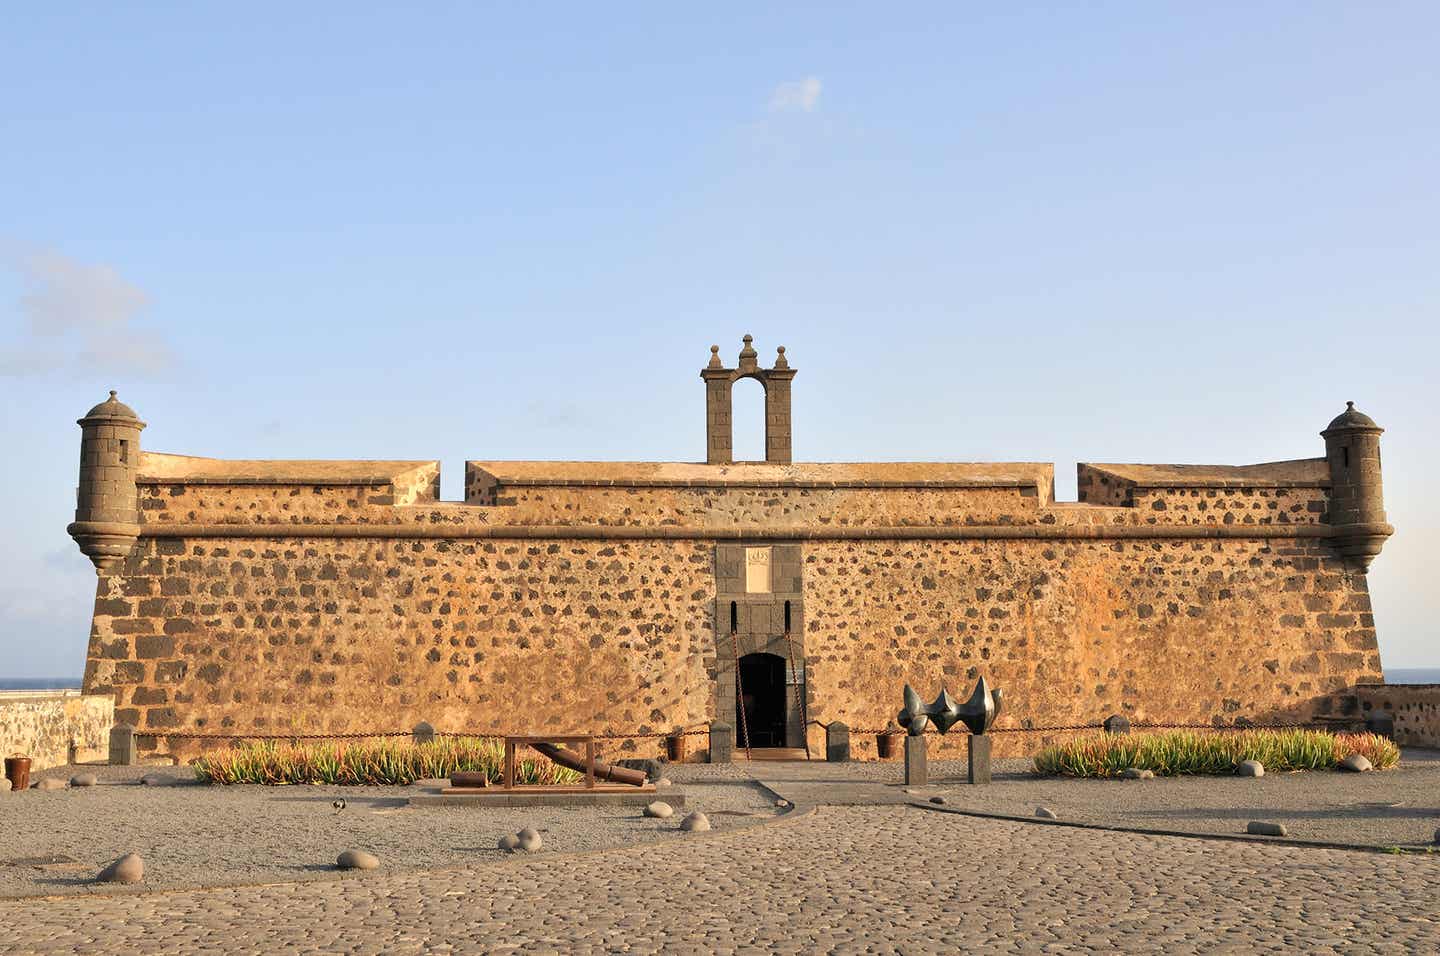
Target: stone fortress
point(278, 597)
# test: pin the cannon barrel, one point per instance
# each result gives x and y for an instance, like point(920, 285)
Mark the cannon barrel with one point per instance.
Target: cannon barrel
point(603, 771)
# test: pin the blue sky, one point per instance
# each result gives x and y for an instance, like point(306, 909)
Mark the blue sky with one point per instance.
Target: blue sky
point(1129, 232)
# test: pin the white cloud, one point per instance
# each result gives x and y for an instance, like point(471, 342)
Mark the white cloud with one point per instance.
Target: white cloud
point(79, 314)
point(802, 95)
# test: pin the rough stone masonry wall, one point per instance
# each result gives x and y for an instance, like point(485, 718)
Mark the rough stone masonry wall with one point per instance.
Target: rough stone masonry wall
point(315, 635)
point(1175, 631)
point(611, 629)
point(335, 636)
point(1231, 506)
point(719, 507)
point(54, 727)
point(1415, 708)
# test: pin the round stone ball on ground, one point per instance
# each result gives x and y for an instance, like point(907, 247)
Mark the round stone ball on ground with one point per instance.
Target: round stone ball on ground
point(84, 780)
point(663, 782)
point(357, 860)
point(1135, 773)
point(1250, 768)
point(1355, 763)
point(696, 822)
point(529, 840)
point(659, 810)
point(129, 868)
point(5, 784)
point(509, 842)
point(1045, 813)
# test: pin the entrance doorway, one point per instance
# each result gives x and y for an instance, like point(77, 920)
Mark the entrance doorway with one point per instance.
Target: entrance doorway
point(760, 696)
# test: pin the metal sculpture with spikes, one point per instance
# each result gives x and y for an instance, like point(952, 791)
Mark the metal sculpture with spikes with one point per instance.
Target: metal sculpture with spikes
point(978, 713)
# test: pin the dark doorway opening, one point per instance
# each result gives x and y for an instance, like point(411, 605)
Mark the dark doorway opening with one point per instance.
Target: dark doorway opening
point(760, 696)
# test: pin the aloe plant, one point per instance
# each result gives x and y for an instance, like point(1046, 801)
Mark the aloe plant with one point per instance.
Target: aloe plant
point(1191, 752)
point(370, 763)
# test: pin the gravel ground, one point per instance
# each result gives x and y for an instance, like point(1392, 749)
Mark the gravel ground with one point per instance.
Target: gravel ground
point(1398, 807)
point(192, 835)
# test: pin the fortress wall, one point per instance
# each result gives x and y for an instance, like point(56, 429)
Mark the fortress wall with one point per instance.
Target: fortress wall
point(1172, 631)
point(269, 503)
point(1414, 707)
point(1229, 506)
point(325, 634)
point(418, 486)
point(304, 635)
point(720, 506)
point(1098, 488)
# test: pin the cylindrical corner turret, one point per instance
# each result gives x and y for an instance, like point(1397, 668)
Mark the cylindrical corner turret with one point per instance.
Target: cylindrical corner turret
point(1357, 500)
point(107, 518)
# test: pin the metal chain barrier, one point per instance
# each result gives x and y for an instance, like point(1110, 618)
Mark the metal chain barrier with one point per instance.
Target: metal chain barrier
point(187, 735)
point(790, 653)
point(700, 730)
point(371, 735)
point(740, 695)
point(1097, 728)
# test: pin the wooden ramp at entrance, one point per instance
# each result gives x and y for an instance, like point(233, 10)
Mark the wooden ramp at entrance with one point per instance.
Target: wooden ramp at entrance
point(758, 754)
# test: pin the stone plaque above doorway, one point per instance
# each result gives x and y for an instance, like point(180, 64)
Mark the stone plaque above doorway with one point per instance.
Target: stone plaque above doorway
point(757, 571)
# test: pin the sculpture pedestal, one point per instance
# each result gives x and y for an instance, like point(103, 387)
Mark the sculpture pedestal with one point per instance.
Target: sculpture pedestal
point(977, 749)
point(917, 771)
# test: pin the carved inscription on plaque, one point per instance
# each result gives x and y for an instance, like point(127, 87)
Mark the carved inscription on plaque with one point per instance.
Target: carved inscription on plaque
point(757, 570)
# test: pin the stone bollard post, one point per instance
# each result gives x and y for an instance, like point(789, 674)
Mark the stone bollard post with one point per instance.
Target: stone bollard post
point(722, 743)
point(977, 751)
point(837, 742)
point(122, 745)
point(1116, 724)
point(423, 733)
point(917, 769)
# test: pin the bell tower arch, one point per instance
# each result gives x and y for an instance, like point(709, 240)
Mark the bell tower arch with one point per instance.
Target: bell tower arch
point(719, 422)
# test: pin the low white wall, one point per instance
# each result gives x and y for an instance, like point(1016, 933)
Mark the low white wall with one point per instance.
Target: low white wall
point(53, 726)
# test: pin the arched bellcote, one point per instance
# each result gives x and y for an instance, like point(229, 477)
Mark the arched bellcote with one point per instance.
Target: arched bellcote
point(719, 425)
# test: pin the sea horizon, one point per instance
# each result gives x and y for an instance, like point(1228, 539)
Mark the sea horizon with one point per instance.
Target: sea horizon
point(39, 683)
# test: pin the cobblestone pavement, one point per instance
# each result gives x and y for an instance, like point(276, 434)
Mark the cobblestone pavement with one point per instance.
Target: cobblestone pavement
point(845, 879)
